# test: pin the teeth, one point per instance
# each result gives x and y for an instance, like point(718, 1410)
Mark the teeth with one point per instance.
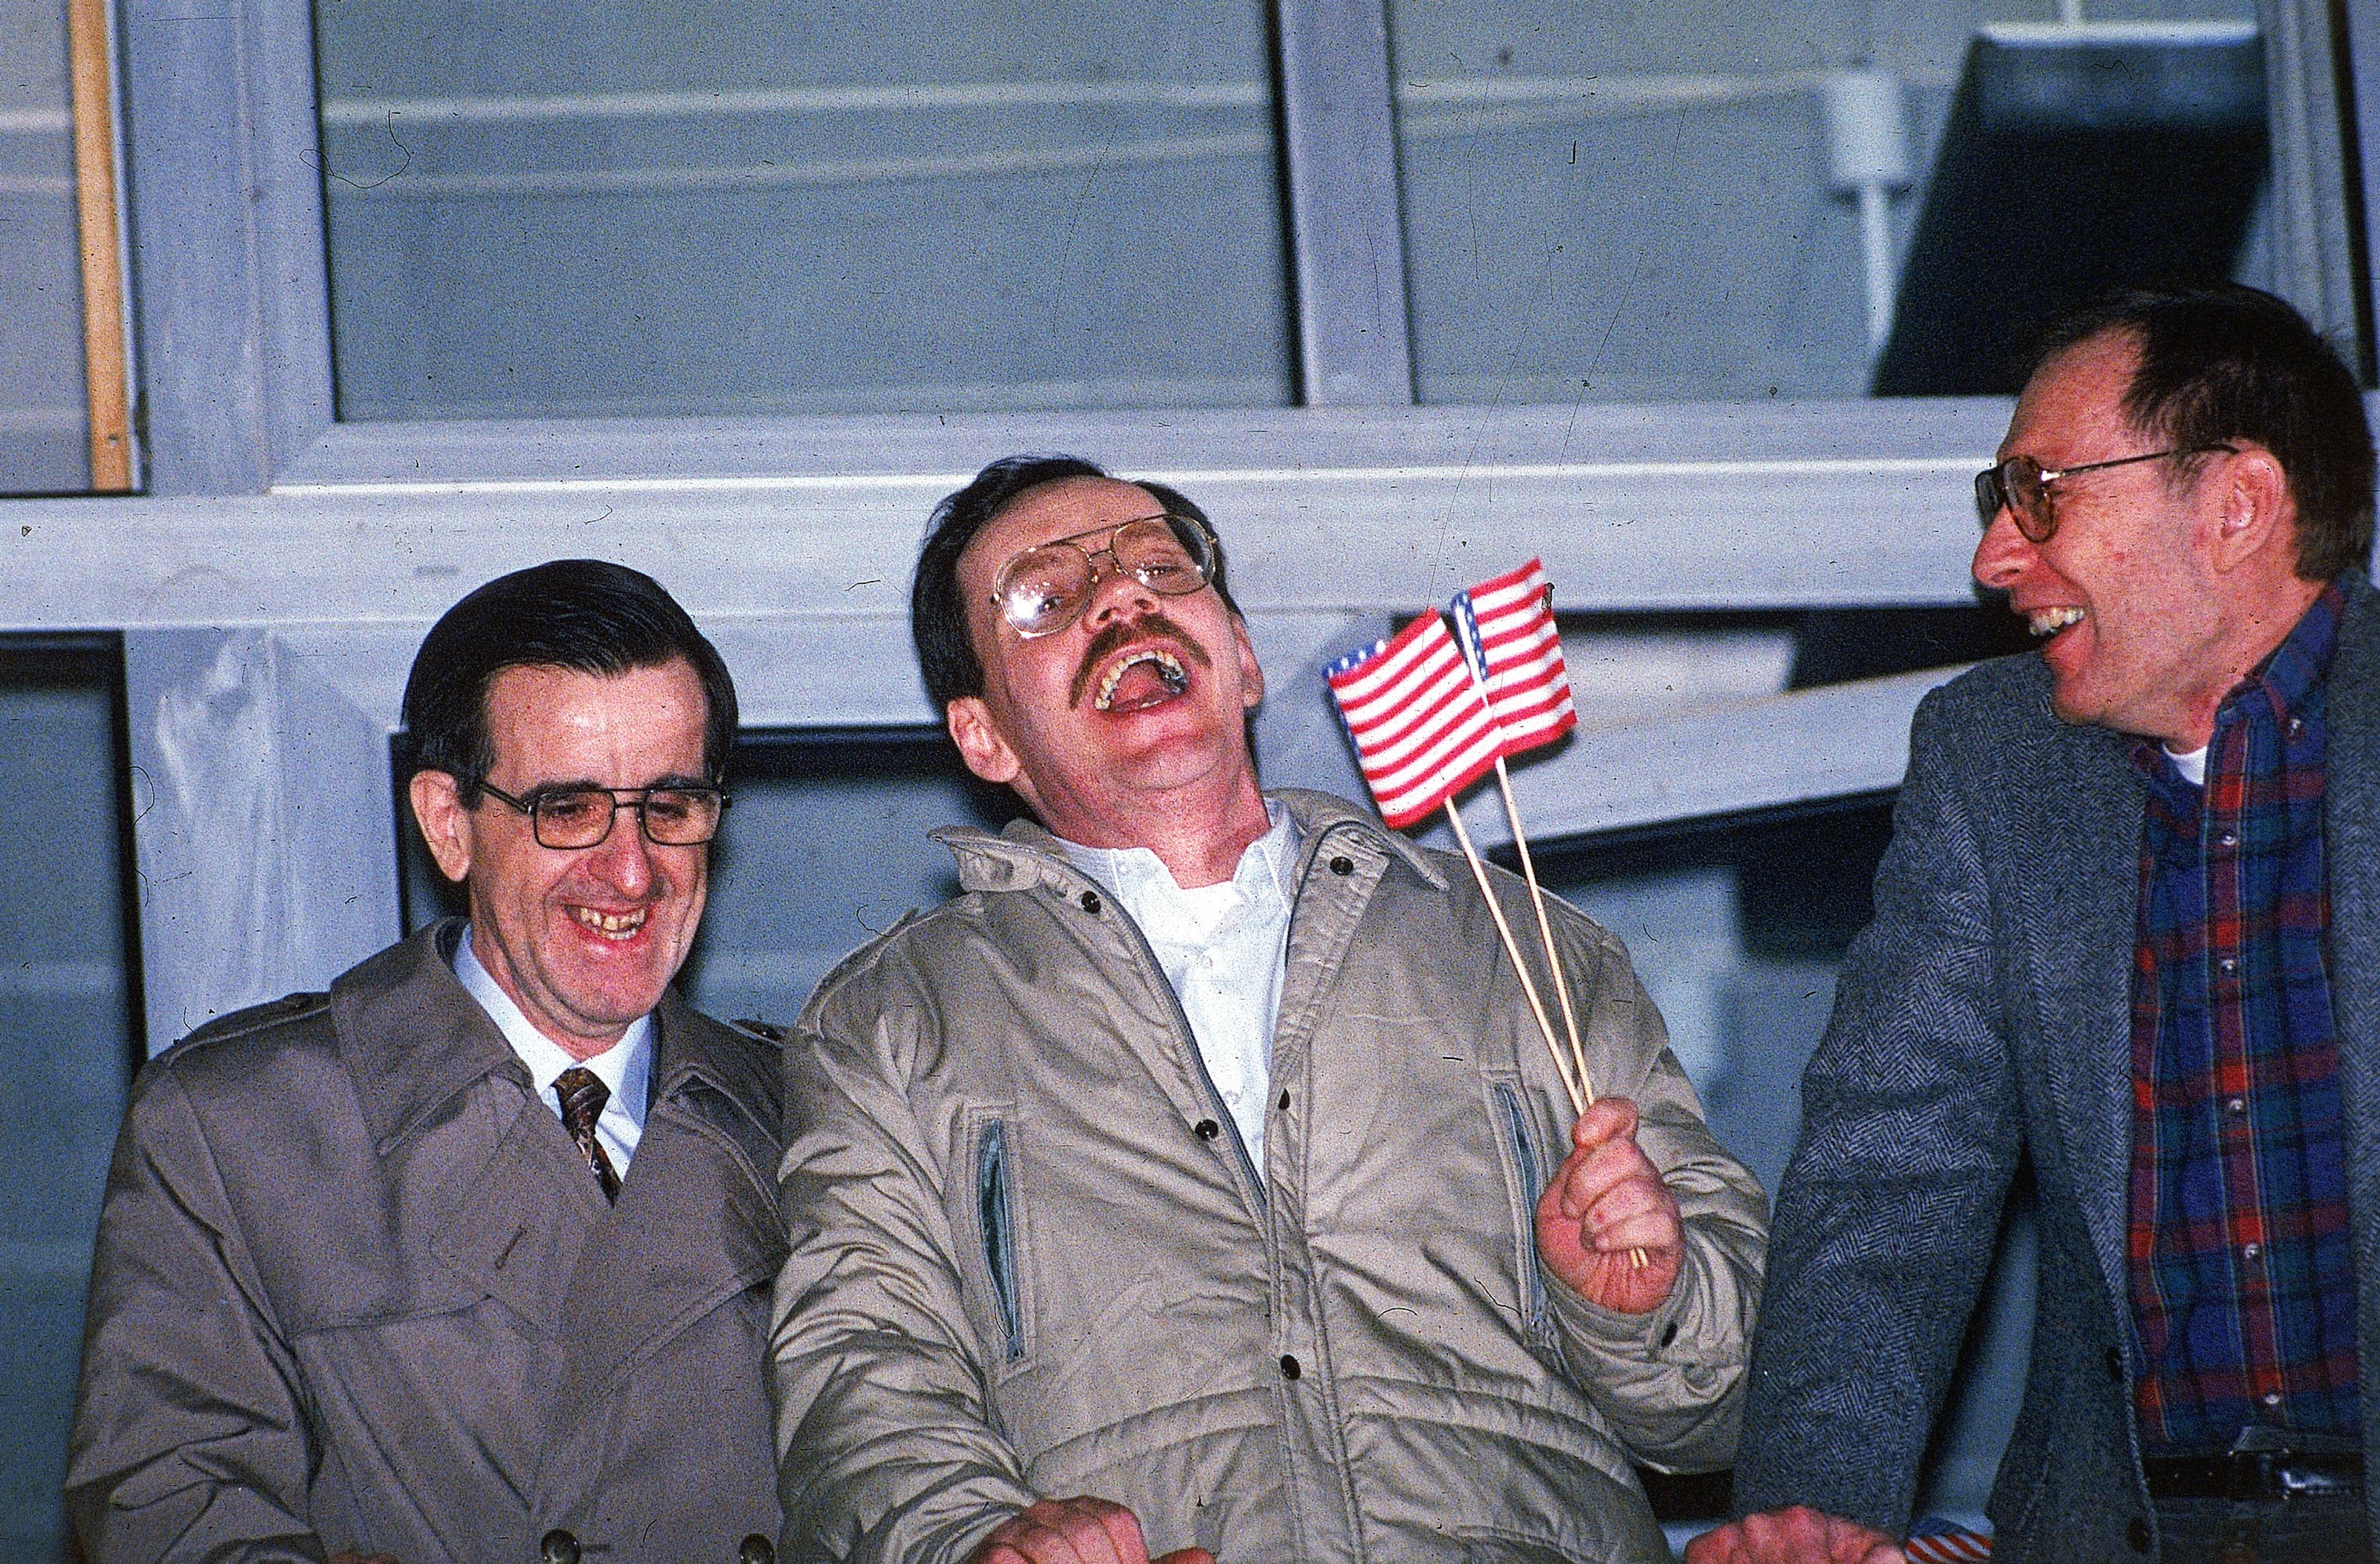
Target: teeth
point(2049, 621)
point(1165, 660)
point(610, 923)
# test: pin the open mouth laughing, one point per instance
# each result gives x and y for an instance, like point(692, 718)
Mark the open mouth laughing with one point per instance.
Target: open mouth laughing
point(2046, 621)
point(617, 927)
point(1149, 676)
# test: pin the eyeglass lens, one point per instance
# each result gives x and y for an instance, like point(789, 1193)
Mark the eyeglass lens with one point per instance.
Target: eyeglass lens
point(2016, 485)
point(1044, 589)
point(673, 816)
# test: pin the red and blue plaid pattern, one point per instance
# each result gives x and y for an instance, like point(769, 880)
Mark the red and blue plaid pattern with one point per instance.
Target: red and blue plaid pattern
point(2242, 1286)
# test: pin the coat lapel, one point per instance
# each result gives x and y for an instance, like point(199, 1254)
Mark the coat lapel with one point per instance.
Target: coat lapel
point(2084, 835)
point(697, 1223)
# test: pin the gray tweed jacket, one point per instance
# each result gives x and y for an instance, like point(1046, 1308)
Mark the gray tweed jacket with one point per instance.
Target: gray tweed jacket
point(1985, 1017)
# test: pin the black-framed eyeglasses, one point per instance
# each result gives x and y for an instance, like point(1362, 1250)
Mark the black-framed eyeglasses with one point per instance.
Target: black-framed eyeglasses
point(571, 818)
point(2020, 487)
point(1044, 589)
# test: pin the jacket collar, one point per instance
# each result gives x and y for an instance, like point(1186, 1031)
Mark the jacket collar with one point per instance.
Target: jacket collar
point(413, 1036)
point(1025, 855)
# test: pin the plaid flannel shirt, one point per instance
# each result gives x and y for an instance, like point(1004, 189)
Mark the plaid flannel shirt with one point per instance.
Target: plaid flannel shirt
point(2242, 1286)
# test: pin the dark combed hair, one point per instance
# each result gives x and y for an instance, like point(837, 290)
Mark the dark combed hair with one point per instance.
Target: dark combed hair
point(582, 614)
point(938, 620)
point(2228, 363)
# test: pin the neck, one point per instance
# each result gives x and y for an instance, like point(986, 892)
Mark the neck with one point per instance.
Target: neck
point(2257, 634)
point(1199, 840)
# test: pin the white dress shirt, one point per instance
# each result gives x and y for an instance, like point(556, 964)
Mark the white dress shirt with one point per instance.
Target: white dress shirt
point(627, 1067)
point(1223, 948)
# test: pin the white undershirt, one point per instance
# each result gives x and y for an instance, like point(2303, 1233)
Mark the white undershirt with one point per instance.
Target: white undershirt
point(2193, 766)
point(626, 1067)
point(1223, 948)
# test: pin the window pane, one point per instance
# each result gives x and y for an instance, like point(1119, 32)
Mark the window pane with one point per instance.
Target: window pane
point(67, 1040)
point(735, 206)
point(44, 421)
point(1641, 204)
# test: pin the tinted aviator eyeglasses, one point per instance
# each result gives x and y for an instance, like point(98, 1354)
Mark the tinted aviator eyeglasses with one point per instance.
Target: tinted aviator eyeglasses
point(1046, 588)
point(2020, 487)
point(581, 817)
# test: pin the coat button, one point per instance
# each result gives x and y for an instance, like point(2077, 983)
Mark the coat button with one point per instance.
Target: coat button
point(1284, 1099)
point(1090, 900)
point(557, 1547)
point(1205, 1128)
point(1289, 1369)
point(1342, 864)
point(2136, 1532)
point(2116, 1364)
point(757, 1549)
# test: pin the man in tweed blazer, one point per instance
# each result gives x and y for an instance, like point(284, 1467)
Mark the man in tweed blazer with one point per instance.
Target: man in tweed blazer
point(2184, 512)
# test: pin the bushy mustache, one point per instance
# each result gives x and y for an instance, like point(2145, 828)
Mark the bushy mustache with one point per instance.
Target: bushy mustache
point(1152, 625)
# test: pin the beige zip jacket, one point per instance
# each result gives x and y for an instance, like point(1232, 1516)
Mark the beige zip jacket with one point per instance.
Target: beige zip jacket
point(1030, 1257)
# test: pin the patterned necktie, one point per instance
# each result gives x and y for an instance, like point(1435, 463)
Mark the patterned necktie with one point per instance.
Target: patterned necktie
point(583, 1097)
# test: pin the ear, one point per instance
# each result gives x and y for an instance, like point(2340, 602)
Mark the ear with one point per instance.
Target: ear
point(980, 742)
point(1251, 674)
point(445, 824)
point(2258, 513)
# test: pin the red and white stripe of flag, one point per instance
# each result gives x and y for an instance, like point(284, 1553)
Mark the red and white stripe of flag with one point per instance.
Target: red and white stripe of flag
point(1421, 729)
point(1951, 1545)
point(1508, 624)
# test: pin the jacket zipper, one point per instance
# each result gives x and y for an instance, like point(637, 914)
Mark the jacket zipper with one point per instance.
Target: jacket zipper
point(999, 1234)
point(1524, 1156)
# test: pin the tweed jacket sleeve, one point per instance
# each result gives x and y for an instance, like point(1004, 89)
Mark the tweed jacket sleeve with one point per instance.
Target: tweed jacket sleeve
point(1910, 1131)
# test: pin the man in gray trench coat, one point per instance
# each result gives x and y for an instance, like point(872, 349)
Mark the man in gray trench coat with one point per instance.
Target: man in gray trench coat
point(467, 1259)
point(2128, 930)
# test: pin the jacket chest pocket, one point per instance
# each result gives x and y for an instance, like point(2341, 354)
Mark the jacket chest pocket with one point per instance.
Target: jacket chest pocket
point(998, 1261)
point(1527, 1170)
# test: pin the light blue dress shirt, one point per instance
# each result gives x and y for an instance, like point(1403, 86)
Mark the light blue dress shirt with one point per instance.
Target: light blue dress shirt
point(626, 1067)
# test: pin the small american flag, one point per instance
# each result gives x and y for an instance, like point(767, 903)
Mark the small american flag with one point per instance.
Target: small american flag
point(1939, 1541)
point(1508, 631)
point(1421, 729)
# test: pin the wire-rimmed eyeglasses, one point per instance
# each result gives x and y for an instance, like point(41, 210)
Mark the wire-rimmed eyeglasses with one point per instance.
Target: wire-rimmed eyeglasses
point(1045, 588)
point(571, 818)
point(2020, 487)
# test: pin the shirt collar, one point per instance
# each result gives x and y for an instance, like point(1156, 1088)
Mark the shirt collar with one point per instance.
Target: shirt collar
point(1137, 875)
point(625, 1068)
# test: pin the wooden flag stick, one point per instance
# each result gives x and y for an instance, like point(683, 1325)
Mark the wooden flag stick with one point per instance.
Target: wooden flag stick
point(1537, 1006)
point(1513, 949)
point(1544, 931)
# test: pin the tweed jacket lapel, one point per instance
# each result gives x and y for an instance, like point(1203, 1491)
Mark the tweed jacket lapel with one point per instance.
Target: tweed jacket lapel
point(697, 1220)
point(2073, 805)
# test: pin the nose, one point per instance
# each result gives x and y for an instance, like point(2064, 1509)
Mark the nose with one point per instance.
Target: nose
point(1115, 592)
point(2004, 552)
point(623, 861)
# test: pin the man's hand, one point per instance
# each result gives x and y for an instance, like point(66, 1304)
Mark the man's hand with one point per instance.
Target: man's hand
point(1075, 1531)
point(1799, 1536)
point(1607, 1199)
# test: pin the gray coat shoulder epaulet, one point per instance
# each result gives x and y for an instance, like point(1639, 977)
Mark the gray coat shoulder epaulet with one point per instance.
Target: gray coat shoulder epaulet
point(255, 1018)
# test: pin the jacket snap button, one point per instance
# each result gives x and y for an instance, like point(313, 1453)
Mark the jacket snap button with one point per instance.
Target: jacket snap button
point(1205, 1128)
point(1342, 864)
point(1289, 1369)
point(1285, 1102)
point(757, 1549)
point(2136, 1532)
point(558, 1547)
point(1090, 900)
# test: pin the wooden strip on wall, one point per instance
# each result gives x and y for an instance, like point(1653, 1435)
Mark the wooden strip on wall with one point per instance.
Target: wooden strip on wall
point(105, 372)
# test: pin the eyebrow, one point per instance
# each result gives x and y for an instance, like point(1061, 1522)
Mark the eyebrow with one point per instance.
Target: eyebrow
point(578, 785)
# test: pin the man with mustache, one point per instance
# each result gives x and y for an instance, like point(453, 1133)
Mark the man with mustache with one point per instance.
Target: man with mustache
point(1195, 1185)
